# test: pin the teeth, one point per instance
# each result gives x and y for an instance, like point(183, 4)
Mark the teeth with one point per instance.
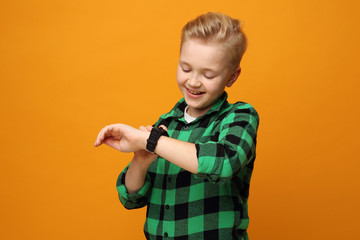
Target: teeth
point(195, 93)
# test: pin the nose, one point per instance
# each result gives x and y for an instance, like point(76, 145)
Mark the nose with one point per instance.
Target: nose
point(194, 81)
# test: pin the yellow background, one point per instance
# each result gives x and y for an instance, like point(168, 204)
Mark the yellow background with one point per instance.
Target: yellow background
point(68, 68)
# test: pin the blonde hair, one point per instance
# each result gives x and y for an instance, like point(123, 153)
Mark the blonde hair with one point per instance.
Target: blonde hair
point(221, 28)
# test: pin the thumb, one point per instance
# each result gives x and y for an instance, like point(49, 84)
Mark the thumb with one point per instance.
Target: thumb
point(163, 127)
point(112, 143)
point(149, 127)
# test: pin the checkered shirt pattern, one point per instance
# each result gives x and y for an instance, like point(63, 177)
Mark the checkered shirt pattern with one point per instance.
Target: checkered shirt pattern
point(211, 204)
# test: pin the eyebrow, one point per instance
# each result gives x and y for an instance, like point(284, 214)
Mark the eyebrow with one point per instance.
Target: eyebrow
point(203, 69)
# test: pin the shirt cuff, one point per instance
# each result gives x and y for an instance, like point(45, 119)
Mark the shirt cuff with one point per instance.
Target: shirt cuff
point(134, 197)
point(133, 200)
point(212, 166)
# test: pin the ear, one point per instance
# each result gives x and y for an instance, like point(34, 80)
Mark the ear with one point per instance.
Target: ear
point(233, 77)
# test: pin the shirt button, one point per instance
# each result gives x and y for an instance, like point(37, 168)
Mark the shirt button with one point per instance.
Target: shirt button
point(186, 127)
point(165, 235)
point(167, 206)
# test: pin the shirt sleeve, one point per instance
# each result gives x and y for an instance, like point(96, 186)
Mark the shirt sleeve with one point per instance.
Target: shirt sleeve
point(135, 200)
point(235, 147)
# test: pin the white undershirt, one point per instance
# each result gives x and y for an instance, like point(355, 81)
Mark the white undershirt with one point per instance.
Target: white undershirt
point(187, 117)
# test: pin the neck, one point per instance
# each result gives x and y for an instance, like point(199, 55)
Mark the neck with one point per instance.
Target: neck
point(197, 112)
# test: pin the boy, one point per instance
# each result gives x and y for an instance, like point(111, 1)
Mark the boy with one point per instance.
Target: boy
point(193, 172)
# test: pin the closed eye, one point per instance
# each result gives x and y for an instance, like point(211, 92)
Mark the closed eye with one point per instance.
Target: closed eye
point(185, 70)
point(209, 77)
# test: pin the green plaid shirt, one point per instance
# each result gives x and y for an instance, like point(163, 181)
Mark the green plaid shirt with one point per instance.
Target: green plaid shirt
point(211, 204)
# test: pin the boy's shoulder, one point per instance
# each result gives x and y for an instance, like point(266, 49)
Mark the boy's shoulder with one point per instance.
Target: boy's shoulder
point(242, 108)
point(238, 111)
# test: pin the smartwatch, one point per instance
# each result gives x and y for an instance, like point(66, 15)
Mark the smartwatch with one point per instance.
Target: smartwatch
point(153, 139)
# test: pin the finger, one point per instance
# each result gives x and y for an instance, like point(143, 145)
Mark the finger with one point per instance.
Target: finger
point(102, 134)
point(117, 138)
point(163, 127)
point(108, 131)
point(142, 128)
point(112, 143)
point(97, 141)
point(149, 127)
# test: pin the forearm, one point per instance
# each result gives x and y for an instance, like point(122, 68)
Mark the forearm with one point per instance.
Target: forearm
point(136, 174)
point(127, 139)
point(180, 153)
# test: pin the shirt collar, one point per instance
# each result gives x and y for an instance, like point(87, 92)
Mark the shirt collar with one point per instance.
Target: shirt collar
point(178, 110)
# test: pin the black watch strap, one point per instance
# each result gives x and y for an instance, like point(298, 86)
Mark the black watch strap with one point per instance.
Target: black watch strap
point(154, 136)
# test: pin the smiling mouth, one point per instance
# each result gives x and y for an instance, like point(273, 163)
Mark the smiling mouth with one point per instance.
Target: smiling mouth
point(194, 92)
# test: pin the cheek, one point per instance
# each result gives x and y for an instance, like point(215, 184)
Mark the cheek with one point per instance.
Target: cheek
point(180, 77)
point(214, 87)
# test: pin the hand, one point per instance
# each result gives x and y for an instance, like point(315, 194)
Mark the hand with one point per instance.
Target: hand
point(122, 137)
point(143, 155)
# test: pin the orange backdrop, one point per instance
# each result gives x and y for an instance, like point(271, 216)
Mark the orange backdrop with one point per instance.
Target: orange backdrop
point(68, 68)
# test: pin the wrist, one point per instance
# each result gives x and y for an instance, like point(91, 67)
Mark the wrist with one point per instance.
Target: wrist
point(142, 140)
point(140, 160)
point(154, 137)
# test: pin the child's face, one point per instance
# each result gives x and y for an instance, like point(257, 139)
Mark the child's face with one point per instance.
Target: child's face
point(202, 74)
